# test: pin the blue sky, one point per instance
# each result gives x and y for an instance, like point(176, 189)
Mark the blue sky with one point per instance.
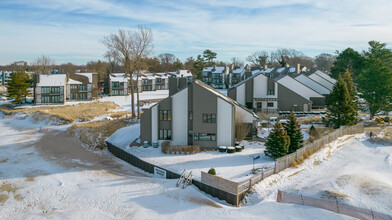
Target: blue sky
point(72, 30)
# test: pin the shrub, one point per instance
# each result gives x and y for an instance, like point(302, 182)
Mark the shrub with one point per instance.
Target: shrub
point(379, 120)
point(238, 148)
point(222, 149)
point(293, 164)
point(231, 150)
point(212, 171)
point(314, 133)
point(187, 149)
point(165, 147)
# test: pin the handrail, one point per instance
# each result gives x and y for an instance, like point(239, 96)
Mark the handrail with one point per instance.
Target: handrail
point(183, 174)
point(187, 180)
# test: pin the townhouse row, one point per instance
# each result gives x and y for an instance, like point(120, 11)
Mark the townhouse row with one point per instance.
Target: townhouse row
point(61, 88)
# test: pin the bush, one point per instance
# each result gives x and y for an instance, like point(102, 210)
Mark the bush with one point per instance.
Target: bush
point(293, 164)
point(379, 120)
point(212, 171)
point(222, 149)
point(231, 150)
point(238, 148)
point(187, 149)
point(314, 133)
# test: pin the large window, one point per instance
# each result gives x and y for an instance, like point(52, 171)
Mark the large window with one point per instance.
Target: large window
point(204, 137)
point(158, 80)
point(45, 90)
point(83, 95)
point(55, 90)
point(145, 81)
point(270, 104)
point(74, 86)
point(164, 134)
point(271, 92)
point(74, 95)
point(83, 87)
point(165, 115)
point(115, 84)
point(209, 118)
point(45, 99)
point(56, 99)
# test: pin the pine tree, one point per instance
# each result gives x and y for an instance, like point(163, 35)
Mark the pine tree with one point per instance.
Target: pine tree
point(18, 87)
point(293, 130)
point(341, 110)
point(352, 90)
point(278, 142)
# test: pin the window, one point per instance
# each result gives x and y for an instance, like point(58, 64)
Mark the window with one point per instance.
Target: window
point(271, 92)
point(74, 87)
point(259, 105)
point(121, 84)
point(164, 134)
point(158, 80)
point(83, 95)
point(44, 90)
point(56, 99)
point(204, 137)
point(55, 90)
point(249, 105)
point(74, 96)
point(117, 92)
point(83, 88)
point(165, 115)
point(270, 104)
point(190, 116)
point(145, 81)
point(115, 84)
point(209, 118)
point(45, 99)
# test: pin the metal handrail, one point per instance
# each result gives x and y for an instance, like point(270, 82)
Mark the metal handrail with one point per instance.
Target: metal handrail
point(183, 174)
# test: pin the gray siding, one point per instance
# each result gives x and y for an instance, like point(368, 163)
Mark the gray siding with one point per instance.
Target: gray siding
point(287, 99)
point(145, 126)
point(165, 104)
point(203, 102)
point(232, 93)
point(249, 91)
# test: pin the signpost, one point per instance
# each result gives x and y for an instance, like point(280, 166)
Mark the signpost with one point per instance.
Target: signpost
point(158, 172)
point(254, 158)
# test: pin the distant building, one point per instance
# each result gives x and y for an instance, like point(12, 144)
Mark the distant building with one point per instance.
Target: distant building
point(215, 76)
point(82, 86)
point(118, 84)
point(50, 89)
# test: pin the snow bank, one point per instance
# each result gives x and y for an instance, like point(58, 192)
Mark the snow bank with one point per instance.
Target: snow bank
point(123, 137)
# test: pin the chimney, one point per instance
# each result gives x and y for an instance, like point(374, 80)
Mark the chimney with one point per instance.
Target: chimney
point(298, 68)
point(265, 66)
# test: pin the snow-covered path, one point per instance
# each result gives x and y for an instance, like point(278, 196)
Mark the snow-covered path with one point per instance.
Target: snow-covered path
point(52, 177)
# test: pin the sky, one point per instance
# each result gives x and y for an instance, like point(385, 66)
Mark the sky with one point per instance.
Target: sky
point(72, 30)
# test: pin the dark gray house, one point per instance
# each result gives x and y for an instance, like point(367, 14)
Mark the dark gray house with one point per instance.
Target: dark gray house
point(194, 114)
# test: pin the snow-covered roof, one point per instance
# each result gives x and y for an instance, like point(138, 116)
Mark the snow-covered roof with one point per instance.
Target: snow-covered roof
point(219, 69)
point(88, 75)
point(292, 69)
point(73, 82)
point(256, 71)
point(280, 69)
point(118, 77)
point(239, 69)
point(268, 70)
point(325, 76)
point(184, 73)
point(52, 80)
point(208, 69)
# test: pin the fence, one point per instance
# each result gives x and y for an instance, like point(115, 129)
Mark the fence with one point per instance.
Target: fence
point(285, 161)
point(230, 198)
point(231, 191)
point(334, 206)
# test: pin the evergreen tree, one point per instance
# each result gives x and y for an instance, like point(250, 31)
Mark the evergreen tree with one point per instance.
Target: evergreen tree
point(278, 142)
point(209, 56)
point(293, 130)
point(348, 59)
point(375, 85)
point(18, 87)
point(341, 110)
point(199, 65)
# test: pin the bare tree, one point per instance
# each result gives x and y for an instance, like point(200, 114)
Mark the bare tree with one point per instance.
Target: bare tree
point(236, 61)
point(324, 61)
point(167, 61)
point(284, 56)
point(112, 61)
point(43, 64)
point(242, 128)
point(258, 58)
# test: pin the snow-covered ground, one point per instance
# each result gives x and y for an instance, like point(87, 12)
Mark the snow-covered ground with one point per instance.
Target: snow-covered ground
point(236, 166)
point(50, 176)
point(351, 166)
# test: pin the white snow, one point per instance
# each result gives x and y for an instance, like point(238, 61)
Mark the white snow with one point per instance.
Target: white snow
point(219, 69)
point(52, 80)
point(118, 77)
point(73, 82)
point(88, 75)
point(236, 166)
point(208, 69)
point(88, 189)
point(351, 166)
point(239, 70)
point(123, 137)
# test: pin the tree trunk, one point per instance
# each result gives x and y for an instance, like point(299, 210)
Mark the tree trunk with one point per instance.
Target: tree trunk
point(132, 97)
point(137, 94)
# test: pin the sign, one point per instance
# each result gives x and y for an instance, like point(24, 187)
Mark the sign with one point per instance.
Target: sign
point(158, 172)
point(255, 158)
